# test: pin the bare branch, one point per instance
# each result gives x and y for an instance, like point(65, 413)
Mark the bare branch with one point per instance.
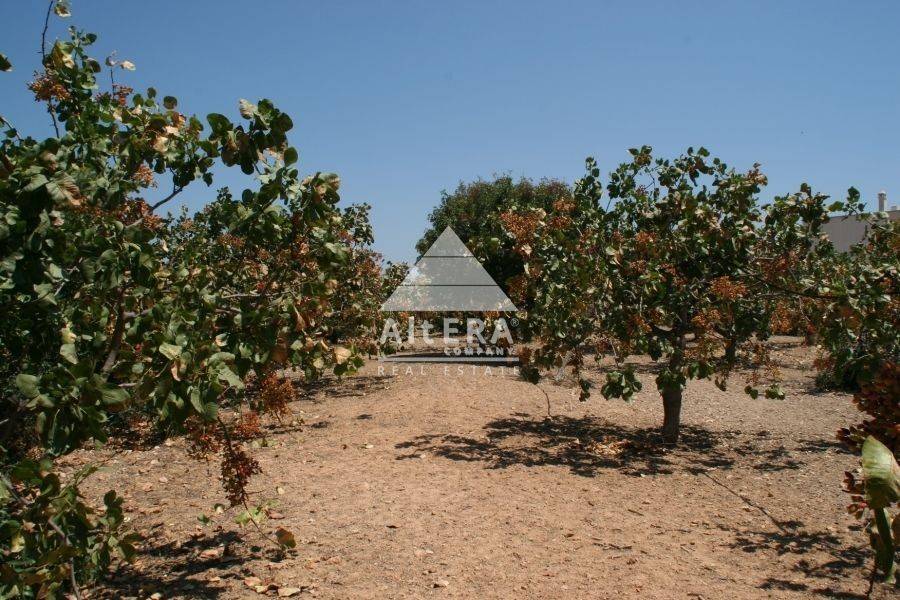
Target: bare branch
point(50, 108)
point(175, 191)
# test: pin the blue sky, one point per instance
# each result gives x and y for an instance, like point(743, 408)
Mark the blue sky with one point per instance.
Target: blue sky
point(404, 99)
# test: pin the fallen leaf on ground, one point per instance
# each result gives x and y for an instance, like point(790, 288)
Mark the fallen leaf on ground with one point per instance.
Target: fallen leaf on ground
point(211, 553)
point(285, 538)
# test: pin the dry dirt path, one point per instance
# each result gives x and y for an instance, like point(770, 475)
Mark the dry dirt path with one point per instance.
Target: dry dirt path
point(436, 484)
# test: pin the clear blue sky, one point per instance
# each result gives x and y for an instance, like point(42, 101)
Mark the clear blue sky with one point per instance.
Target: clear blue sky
point(404, 99)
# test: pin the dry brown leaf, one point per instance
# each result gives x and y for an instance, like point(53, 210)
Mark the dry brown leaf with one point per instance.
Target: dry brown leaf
point(211, 553)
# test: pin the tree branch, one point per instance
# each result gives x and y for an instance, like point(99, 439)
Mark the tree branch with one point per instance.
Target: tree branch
point(51, 108)
point(118, 332)
point(175, 191)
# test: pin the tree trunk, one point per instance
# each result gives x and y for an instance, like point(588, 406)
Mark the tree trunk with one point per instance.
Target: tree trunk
point(671, 394)
point(731, 352)
point(671, 414)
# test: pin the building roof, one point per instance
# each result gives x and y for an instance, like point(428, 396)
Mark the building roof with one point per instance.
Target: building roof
point(845, 231)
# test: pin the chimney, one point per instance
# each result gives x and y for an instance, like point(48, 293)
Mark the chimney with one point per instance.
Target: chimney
point(882, 201)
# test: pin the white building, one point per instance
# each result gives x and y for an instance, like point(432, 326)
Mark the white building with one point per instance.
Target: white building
point(844, 231)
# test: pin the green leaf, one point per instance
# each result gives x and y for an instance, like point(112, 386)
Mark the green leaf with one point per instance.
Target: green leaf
point(210, 410)
point(38, 181)
point(881, 474)
point(196, 401)
point(63, 189)
point(17, 543)
point(114, 396)
point(170, 102)
point(290, 156)
point(68, 352)
point(333, 180)
point(61, 58)
point(61, 8)
point(219, 123)
point(774, 392)
point(28, 385)
point(282, 123)
point(221, 357)
point(230, 377)
point(45, 293)
point(254, 513)
point(170, 351)
point(5, 65)
point(247, 109)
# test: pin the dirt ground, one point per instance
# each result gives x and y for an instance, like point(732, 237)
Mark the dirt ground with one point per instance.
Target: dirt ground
point(435, 483)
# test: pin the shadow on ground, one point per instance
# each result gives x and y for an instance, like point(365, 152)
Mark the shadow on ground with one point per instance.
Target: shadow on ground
point(793, 539)
point(346, 387)
point(587, 445)
point(187, 572)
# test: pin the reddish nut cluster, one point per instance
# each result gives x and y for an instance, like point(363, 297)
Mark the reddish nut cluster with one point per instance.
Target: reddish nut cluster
point(644, 241)
point(518, 288)
point(121, 93)
point(237, 469)
point(784, 319)
point(704, 348)
point(878, 399)
point(638, 323)
point(564, 205)
point(137, 209)
point(275, 394)
point(47, 87)
point(247, 427)
point(558, 222)
point(232, 241)
point(857, 491)
point(706, 319)
point(726, 289)
point(143, 176)
point(521, 227)
point(636, 267)
point(203, 438)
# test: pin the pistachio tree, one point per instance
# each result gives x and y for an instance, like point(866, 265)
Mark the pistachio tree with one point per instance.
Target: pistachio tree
point(108, 306)
point(851, 301)
point(663, 268)
point(859, 329)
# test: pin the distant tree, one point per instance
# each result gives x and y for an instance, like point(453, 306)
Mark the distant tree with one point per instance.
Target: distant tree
point(474, 212)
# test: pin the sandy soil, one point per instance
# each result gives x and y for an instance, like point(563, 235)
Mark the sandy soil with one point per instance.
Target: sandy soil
point(438, 484)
